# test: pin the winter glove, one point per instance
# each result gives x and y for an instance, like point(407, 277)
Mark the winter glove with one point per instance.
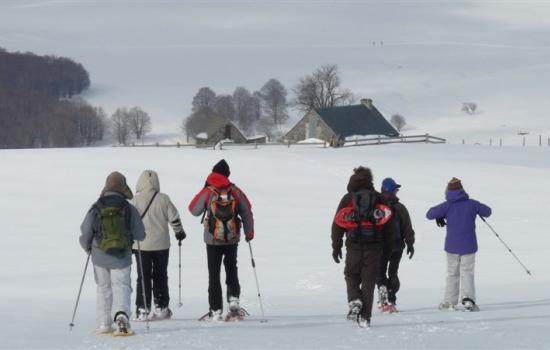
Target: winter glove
point(180, 236)
point(337, 255)
point(249, 236)
point(410, 250)
point(440, 222)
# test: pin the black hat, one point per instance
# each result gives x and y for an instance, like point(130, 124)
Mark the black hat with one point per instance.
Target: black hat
point(222, 168)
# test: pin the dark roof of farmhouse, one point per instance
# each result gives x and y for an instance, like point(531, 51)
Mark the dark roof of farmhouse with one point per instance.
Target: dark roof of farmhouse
point(356, 120)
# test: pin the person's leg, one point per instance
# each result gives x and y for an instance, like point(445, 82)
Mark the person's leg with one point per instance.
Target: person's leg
point(214, 255)
point(453, 272)
point(147, 265)
point(352, 274)
point(231, 271)
point(393, 279)
point(122, 290)
point(102, 278)
point(369, 272)
point(467, 282)
point(160, 278)
point(382, 271)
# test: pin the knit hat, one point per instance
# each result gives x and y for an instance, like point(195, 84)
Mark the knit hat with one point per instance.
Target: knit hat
point(116, 182)
point(389, 185)
point(222, 168)
point(454, 184)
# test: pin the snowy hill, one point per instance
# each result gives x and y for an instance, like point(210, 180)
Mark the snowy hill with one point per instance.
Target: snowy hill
point(422, 59)
point(45, 194)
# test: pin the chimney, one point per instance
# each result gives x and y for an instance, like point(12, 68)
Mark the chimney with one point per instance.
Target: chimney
point(367, 102)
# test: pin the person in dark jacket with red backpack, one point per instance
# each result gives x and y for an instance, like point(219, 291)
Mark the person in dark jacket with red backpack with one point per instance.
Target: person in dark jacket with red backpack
point(225, 209)
point(364, 247)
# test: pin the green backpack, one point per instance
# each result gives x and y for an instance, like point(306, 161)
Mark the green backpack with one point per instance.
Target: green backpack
point(114, 236)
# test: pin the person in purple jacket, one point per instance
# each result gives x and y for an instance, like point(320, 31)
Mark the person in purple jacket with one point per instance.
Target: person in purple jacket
point(460, 213)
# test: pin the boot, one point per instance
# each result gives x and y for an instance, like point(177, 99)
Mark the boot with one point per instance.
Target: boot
point(470, 305)
point(122, 325)
point(355, 307)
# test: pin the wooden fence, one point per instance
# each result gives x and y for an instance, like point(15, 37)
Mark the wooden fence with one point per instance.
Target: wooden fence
point(369, 141)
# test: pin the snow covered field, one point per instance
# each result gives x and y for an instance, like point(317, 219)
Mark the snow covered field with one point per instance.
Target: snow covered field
point(45, 194)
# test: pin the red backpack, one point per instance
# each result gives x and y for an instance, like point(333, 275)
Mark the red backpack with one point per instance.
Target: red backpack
point(223, 222)
point(363, 218)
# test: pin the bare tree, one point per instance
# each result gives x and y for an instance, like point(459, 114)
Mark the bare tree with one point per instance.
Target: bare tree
point(246, 108)
point(274, 104)
point(197, 122)
point(224, 107)
point(120, 125)
point(205, 99)
point(140, 122)
point(469, 107)
point(321, 89)
point(398, 121)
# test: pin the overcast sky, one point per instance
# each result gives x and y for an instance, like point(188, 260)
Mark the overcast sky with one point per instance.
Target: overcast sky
point(157, 54)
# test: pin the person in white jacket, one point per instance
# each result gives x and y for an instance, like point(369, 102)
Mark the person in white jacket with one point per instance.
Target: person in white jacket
point(157, 211)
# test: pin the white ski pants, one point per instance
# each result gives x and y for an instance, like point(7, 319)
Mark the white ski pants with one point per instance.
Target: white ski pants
point(460, 273)
point(113, 293)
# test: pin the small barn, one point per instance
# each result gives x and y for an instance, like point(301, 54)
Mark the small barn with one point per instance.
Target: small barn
point(334, 124)
point(216, 129)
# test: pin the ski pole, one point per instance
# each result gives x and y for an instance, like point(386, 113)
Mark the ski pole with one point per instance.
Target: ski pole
point(257, 284)
point(143, 286)
point(179, 267)
point(71, 325)
point(506, 245)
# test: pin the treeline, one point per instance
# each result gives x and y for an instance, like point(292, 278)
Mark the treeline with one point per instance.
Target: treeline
point(259, 111)
point(54, 76)
point(36, 104)
point(265, 110)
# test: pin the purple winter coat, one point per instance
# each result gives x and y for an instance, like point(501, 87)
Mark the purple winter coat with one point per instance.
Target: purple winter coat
point(461, 213)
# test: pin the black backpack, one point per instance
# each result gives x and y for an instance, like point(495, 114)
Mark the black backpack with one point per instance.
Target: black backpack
point(363, 204)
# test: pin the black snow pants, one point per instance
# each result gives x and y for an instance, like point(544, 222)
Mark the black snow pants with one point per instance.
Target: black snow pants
point(389, 267)
point(155, 270)
point(215, 254)
point(362, 264)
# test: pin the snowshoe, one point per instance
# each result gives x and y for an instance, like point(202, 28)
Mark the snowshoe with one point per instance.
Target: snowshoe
point(388, 308)
point(103, 330)
point(470, 305)
point(212, 316)
point(236, 315)
point(446, 306)
point(363, 322)
point(355, 307)
point(122, 325)
point(161, 313)
point(142, 315)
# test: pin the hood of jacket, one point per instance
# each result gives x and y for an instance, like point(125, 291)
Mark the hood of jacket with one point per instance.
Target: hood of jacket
point(217, 180)
point(148, 181)
point(116, 182)
point(360, 180)
point(456, 195)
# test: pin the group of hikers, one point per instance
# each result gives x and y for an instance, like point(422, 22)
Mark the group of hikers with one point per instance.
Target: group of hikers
point(377, 227)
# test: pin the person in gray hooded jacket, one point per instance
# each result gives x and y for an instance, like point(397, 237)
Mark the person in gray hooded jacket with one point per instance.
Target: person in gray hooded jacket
point(107, 233)
point(157, 211)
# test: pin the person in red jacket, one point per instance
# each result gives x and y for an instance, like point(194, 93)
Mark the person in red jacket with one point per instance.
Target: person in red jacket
point(225, 209)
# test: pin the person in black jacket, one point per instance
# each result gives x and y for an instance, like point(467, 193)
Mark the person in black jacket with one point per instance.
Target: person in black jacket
point(388, 280)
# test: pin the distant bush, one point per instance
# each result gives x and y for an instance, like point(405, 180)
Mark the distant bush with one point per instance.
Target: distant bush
point(469, 107)
point(398, 121)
